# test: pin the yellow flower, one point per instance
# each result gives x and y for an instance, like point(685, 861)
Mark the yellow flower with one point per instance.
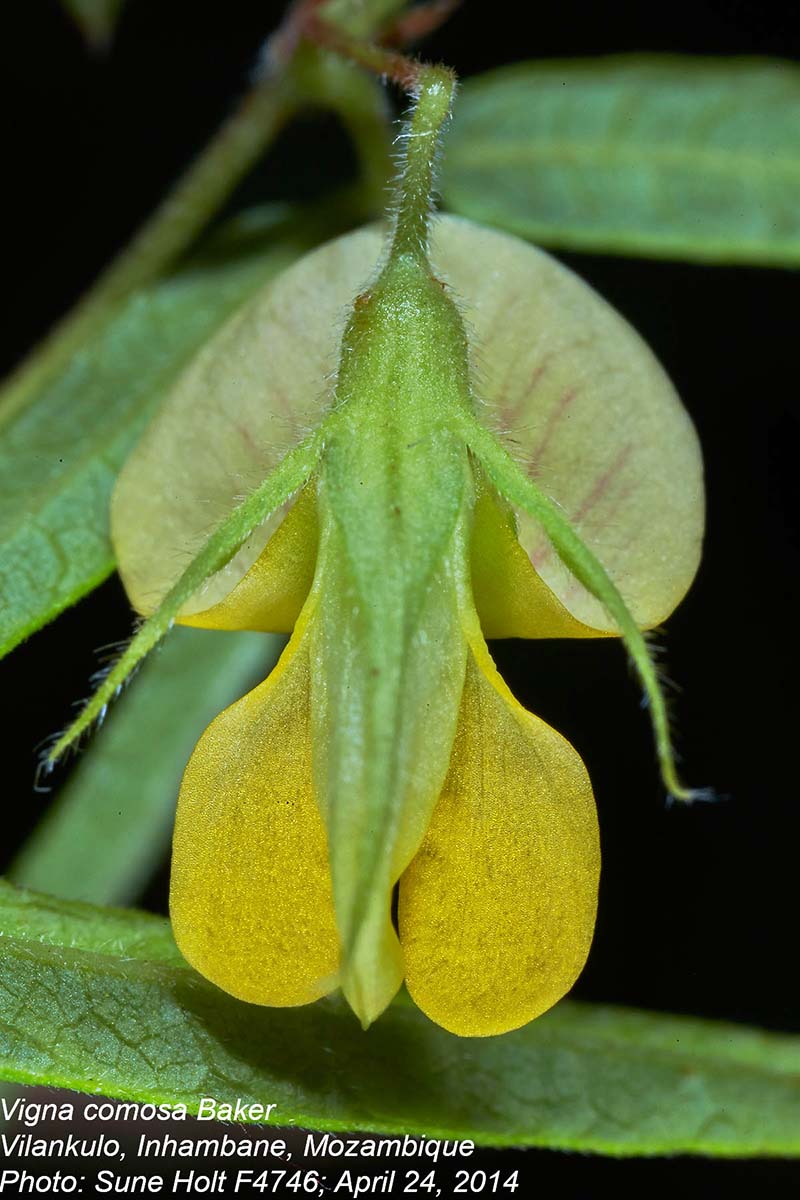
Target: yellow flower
point(298, 814)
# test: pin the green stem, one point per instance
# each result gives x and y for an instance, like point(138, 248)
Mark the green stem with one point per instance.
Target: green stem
point(434, 96)
point(173, 226)
point(432, 89)
point(523, 493)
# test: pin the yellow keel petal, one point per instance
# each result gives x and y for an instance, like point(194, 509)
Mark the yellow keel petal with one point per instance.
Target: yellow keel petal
point(497, 908)
point(250, 895)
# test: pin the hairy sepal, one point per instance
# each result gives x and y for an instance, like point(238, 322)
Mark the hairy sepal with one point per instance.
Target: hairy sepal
point(288, 477)
point(589, 415)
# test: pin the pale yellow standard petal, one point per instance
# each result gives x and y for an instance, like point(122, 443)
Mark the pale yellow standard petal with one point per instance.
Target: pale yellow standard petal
point(589, 413)
point(497, 909)
point(575, 391)
point(250, 895)
point(254, 390)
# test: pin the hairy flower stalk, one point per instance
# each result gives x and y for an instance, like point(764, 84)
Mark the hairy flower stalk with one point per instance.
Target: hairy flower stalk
point(384, 751)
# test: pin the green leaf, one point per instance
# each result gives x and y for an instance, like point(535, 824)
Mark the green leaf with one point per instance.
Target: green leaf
point(100, 1000)
point(61, 452)
point(663, 157)
point(106, 831)
point(97, 19)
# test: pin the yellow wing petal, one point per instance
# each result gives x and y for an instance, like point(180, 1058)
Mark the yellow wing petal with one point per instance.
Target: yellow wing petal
point(250, 896)
point(497, 908)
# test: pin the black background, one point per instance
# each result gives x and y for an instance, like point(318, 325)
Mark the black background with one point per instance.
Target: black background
point(698, 907)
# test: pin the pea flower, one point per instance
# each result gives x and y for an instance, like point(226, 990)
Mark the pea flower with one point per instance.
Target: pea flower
point(476, 448)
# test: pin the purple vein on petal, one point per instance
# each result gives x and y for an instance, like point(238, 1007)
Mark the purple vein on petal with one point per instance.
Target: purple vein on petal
point(248, 439)
point(596, 493)
point(511, 412)
point(557, 413)
point(601, 485)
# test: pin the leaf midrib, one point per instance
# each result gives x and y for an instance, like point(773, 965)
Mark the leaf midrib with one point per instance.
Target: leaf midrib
point(577, 153)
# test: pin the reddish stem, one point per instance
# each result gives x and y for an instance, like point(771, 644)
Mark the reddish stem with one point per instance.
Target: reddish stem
point(390, 64)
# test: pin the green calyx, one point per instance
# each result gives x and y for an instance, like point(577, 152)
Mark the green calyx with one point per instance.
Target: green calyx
point(388, 649)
